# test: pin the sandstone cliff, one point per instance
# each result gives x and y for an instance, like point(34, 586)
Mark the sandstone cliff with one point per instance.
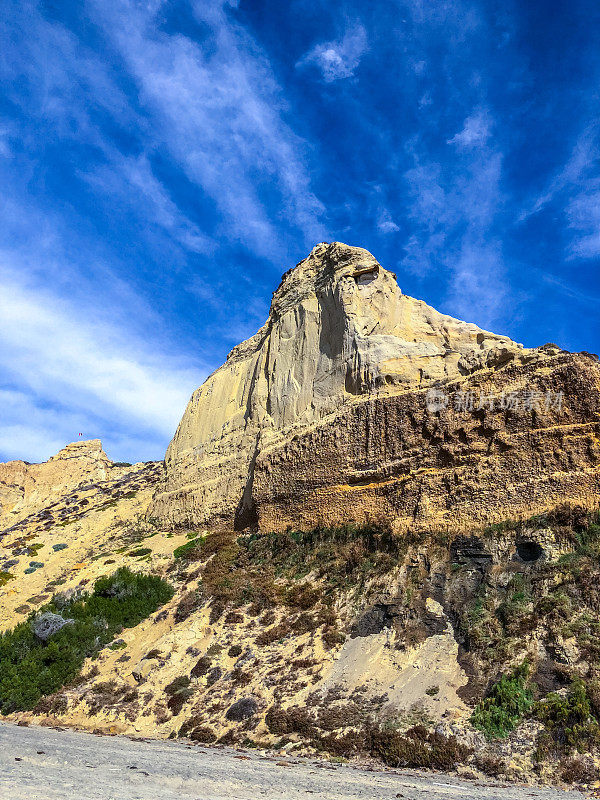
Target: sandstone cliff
point(26, 487)
point(323, 415)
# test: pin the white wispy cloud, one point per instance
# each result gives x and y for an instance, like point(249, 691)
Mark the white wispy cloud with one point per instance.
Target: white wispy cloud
point(214, 107)
point(219, 111)
point(475, 131)
point(453, 213)
point(583, 215)
point(131, 180)
point(385, 223)
point(583, 156)
point(5, 148)
point(576, 188)
point(90, 353)
point(339, 58)
point(72, 367)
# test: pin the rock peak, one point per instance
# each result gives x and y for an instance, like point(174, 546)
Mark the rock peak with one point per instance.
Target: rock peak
point(25, 487)
point(325, 264)
point(339, 331)
point(82, 448)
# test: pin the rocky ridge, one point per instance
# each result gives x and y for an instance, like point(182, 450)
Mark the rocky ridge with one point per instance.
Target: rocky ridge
point(26, 488)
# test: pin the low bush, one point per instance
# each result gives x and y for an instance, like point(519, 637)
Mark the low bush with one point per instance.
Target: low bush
point(273, 634)
point(202, 666)
point(109, 694)
point(343, 556)
point(490, 764)
point(242, 709)
point(213, 675)
point(576, 770)
point(186, 550)
point(203, 735)
point(31, 668)
point(262, 569)
point(568, 720)
point(190, 602)
point(179, 692)
point(508, 700)
point(239, 677)
point(5, 577)
point(418, 747)
point(282, 721)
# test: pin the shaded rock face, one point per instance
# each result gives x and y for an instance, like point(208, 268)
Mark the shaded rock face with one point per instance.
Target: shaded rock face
point(339, 332)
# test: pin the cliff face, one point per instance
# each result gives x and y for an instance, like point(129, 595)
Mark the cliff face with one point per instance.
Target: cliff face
point(327, 414)
point(339, 331)
point(510, 443)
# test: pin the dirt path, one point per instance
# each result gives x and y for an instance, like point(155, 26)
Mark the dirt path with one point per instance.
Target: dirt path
point(43, 764)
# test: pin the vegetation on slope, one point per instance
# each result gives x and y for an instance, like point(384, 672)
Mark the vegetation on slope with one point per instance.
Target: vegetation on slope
point(509, 699)
point(503, 591)
point(271, 570)
point(519, 593)
point(32, 665)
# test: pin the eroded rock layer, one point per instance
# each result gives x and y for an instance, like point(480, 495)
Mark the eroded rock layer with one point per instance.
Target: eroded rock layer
point(339, 332)
point(533, 443)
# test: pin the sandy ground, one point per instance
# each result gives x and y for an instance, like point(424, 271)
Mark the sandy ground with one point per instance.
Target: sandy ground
point(45, 764)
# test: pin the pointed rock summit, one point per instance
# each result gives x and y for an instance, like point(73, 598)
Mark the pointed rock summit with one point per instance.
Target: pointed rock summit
point(290, 413)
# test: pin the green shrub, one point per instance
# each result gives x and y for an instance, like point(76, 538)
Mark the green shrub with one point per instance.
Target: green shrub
point(30, 668)
point(508, 700)
point(141, 551)
point(186, 549)
point(5, 577)
point(569, 721)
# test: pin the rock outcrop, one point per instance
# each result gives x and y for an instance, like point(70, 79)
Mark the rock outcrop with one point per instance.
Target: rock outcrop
point(325, 414)
point(25, 487)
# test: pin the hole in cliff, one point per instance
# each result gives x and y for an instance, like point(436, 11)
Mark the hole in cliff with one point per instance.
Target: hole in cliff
point(529, 551)
point(374, 620)
point(364, 277)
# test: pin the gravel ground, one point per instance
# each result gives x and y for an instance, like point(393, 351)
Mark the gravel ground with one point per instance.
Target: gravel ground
point(45, 764)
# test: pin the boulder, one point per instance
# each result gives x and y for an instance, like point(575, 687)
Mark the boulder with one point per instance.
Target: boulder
point(47, 624)
point(242, 709)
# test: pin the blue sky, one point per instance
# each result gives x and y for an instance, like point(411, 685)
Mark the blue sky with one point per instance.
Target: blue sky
point(163, 163)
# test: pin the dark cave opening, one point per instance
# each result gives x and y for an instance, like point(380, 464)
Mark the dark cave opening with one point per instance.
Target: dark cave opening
point(529, 551)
